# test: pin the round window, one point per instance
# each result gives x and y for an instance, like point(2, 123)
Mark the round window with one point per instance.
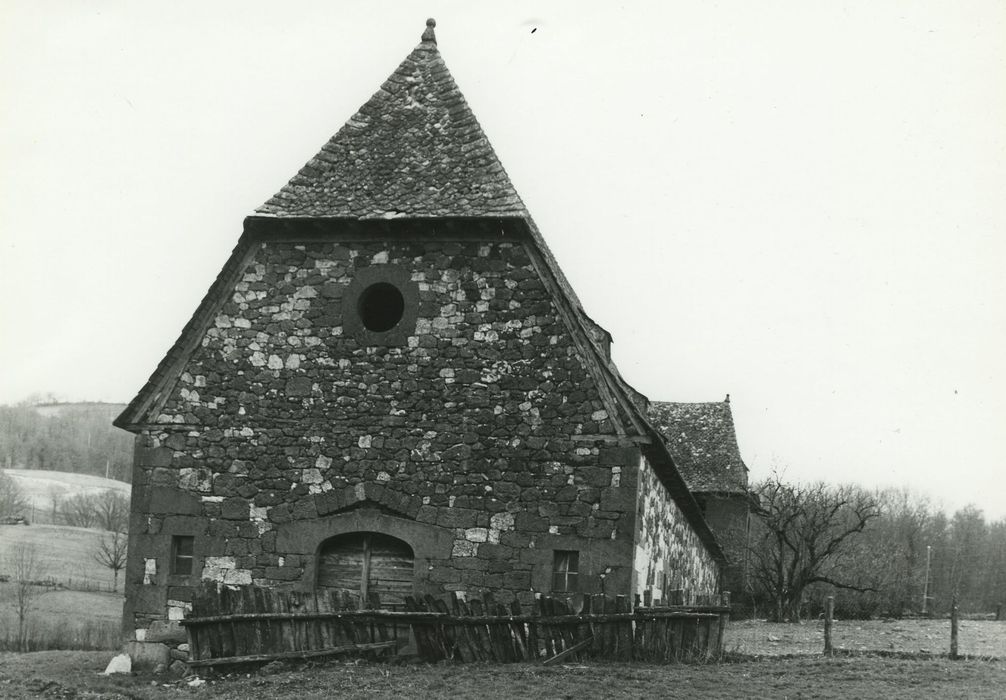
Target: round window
point(381, 307)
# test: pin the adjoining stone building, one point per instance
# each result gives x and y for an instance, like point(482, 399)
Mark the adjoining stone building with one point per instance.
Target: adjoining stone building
point(702, 439)
point(391, 387)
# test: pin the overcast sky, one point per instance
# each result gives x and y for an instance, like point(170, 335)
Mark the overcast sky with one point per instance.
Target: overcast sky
point(801, 204)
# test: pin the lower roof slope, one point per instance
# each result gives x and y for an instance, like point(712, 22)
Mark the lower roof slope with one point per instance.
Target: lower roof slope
point(702, 439)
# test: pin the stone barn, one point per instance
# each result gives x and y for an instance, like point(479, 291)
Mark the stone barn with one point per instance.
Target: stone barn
point(391, 388)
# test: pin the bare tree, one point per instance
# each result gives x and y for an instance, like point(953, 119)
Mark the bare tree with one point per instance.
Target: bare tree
point(111, 510)
point(55, 500)
point(12, 499)
point(80, 510)
point(25, 568)
point(110, 552)
point(801, 536)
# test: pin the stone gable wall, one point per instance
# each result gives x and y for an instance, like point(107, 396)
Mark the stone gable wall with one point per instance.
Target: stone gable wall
point(669, 554)
point(475, 431)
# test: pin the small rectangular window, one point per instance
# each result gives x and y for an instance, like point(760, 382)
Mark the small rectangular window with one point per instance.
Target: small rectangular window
point(181, 554)
point(565, 571)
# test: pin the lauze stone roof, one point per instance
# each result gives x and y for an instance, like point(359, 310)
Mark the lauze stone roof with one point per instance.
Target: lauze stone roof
point(702, 440)
point(413, 150)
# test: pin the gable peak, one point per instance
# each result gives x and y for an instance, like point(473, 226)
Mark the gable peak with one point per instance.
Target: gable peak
point(414, 149)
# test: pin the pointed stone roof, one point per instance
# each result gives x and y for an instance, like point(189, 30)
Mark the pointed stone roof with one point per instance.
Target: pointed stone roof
point(413, 150)
point(703, 442)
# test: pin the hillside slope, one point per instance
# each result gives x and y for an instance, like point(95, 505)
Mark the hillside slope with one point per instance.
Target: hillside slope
point(41, 486)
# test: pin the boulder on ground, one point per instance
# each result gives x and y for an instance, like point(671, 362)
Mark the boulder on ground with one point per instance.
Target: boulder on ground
point(119, 664)
point(147, 654)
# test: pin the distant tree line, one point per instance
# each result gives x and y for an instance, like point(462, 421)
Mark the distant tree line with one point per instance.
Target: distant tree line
point(102, 510)
point(75, 438)
point(105, 510)
point(880, 553)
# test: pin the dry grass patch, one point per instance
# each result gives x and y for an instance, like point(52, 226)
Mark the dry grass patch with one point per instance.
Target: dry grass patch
point(55, 674)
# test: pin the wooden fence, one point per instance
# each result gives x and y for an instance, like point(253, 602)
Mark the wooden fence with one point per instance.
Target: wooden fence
point(595, 627)
point(249, 625)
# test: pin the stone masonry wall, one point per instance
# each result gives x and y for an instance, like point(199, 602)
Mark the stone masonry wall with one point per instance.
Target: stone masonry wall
point(474, 432)
point(668, 552)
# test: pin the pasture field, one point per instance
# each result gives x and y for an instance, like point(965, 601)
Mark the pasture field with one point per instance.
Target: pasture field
point(62, 619)
point(77, 675)
point(65, 554)
point(920, 636)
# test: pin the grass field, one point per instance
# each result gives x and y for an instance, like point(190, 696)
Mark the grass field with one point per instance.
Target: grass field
point(64, 553)
point(73, 675)
point(64, 620)
point(61, 619)
point(976, 637)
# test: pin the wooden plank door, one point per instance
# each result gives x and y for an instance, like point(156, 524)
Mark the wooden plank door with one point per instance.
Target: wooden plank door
point(362, 563)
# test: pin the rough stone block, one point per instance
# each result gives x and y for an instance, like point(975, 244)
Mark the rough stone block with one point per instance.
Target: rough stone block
point(165, 632)
point(156, 457)
point(234, 509)
point(147, 655)
point(174, 501)
point(457, 517)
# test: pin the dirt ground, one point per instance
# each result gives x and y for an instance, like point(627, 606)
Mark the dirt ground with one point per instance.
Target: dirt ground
point(761, 664)
point(77, 675)
point(975, 637)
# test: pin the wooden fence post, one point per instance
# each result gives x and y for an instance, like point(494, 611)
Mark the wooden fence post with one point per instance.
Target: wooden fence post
point(829, 611)
point(953, 628)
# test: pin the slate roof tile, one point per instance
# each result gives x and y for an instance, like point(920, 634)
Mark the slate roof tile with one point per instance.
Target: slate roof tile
point(426, 156)
point(702, 439)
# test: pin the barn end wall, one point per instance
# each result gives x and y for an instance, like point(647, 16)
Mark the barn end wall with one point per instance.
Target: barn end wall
point(727, 515)
point(668, 552)
point(473, 431)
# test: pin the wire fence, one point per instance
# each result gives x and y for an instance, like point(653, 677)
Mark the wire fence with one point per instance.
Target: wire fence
point(977, 636)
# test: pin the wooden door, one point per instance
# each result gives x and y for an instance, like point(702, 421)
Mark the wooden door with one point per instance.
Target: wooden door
point(361, 563)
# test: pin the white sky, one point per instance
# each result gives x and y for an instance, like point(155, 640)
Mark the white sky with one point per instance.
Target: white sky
point(801, 204)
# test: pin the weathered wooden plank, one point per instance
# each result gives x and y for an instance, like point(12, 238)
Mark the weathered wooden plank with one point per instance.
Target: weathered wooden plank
point(533, 636)
point(462, 634)
point(493, 629)
point(419, 629)
point(519, 632)
point(405, 616)
point(469, 632)
point(569, 652)
point(446, 633)
point(480, 634)
point(400, 616)
point(303, 654)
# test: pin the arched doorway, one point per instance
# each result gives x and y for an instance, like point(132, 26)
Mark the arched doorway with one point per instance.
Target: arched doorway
point(365, 563)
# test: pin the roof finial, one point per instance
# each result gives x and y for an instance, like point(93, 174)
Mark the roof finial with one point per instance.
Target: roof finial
point(428, 35)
